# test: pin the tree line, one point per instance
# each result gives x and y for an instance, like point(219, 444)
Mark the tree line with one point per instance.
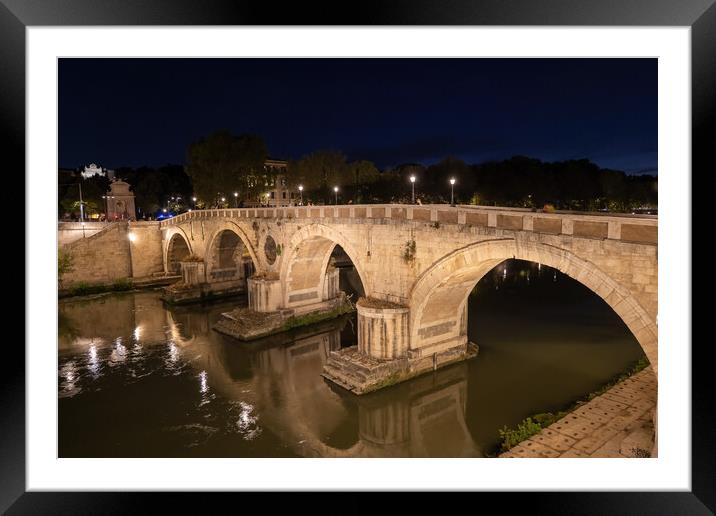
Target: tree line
point(221, 163)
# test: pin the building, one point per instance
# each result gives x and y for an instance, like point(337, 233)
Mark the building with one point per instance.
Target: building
point(278, 192)
point(120, 202)
point(95, 170)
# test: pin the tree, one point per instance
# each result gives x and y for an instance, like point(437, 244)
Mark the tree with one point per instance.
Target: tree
point(222, 163)
point(320, 171)
point(65, 264)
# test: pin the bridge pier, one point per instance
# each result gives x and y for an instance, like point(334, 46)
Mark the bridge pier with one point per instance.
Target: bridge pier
point(268, 313)
point(265, 294)
point(383, 355)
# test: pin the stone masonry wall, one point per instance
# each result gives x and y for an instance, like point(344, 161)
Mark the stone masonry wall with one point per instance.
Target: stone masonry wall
point(109, 255)
point(100, 258)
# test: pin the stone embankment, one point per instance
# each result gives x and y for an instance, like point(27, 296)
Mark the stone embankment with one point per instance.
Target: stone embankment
point(619, 423)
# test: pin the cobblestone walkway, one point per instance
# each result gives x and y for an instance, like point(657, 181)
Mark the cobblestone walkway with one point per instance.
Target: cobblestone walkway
point(616, 424)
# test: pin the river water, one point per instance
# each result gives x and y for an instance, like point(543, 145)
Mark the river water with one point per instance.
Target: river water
point(139, 379)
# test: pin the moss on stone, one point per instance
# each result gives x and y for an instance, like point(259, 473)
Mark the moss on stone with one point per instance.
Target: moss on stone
point(314, 317)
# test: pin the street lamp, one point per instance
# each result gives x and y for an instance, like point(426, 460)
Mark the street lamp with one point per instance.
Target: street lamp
point(300, 189)
point(223, 200)
point(236, 199)
point(335, 190)
point(412, 182)
point(452, 191)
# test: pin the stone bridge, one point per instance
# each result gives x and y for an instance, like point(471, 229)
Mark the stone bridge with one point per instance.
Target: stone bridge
point(417, 265)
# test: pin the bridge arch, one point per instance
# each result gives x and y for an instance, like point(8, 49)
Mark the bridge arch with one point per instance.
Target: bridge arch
point(439, 296)
point(178, 247)
point(220, 257)
point(305, 259)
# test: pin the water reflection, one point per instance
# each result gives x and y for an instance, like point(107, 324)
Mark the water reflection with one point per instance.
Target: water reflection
point(138, 379)
point(245, 391)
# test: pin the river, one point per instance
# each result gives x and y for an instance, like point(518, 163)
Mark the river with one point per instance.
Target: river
point(139, 379)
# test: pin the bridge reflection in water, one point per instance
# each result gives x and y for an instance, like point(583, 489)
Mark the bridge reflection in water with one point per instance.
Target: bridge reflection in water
point(422, 418)
point(138, 379)
point(275, 382)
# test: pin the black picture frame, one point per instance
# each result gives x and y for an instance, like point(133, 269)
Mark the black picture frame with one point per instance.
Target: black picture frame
point(17, 15)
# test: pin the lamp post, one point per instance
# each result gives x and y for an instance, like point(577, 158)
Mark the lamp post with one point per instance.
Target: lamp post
point(300, 190)
point(193, 199)
point(412, 183)
point(452, 191)
point(335, 190)
point(236, 199)
point(82, 205)
point(223, 200)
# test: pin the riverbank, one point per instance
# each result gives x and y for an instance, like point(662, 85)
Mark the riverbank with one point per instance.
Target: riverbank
point(617, 423)
point(120, 285)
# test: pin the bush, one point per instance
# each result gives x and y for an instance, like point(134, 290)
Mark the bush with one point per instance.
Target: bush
point(122, 284)
point(512, 437)
point(65, 264)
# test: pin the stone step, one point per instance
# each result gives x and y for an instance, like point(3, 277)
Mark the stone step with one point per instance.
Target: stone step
point(346, 374)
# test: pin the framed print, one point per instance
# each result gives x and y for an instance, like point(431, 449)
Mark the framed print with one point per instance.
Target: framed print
point(294, 250)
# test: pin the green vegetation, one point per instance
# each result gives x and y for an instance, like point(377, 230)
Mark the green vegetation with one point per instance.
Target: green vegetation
point(83, 288)
point(436, 224)
point(65, 264)
point(314, 317)
point(389, 380)
point(221, 163)
point(409, 253)
point(121, 285)
point(534, 424)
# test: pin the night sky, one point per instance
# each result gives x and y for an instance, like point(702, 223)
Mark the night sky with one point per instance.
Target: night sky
point(134, 112)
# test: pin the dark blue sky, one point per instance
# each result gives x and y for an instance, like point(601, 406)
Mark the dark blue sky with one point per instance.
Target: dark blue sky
point(133, 112)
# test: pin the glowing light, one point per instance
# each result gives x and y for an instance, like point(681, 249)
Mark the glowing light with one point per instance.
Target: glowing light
point(173, 352)
point(335, 188)
point(300, 188)
point(93, 360)
point(452, 181)
point(223, 199)
point(236, 194)
point(412, 179)
point(193, 199)
point(204, 385)
point(132, 237)
point(164, 210)
point(137, 333)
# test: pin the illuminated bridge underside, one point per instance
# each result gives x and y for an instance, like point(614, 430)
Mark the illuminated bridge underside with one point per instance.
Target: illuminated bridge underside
point(417, 266)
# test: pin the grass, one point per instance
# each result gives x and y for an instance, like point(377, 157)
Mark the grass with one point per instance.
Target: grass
point(83, 288)
point(536, 423)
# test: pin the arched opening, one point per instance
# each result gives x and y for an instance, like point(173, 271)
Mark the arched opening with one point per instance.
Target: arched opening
point(319, 264)
point(439, 297)
point(551, 328)
point(349, 279)
point(228, 258)
point(177, 250)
